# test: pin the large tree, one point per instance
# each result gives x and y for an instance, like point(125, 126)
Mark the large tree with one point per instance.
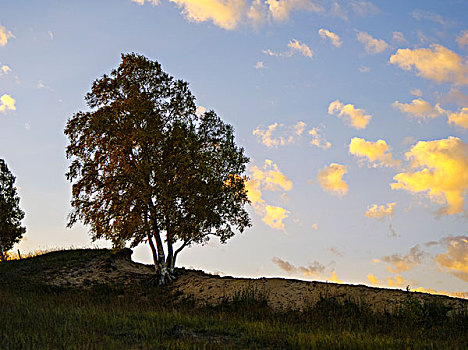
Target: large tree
point(11, 215)
point(146, 168)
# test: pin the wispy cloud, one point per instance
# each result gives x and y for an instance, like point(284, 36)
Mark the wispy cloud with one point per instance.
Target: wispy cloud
point(280, 9)
point(377, 153)
point(399, 263)
point(428, 15)
point(285, 134)
point(436, 63)
point(398, 36)
point(364, 8)
point(335, 39)
point(455, 258)
point(7, 103)
point(380, 211)
point(372, 45)
point(438, 168)
point(331, 180)
point(462, 39)
point(142, 2)
point(260, 65)
point(356, 117)
point(295, 47)
point(314, 269)
point(459, 118)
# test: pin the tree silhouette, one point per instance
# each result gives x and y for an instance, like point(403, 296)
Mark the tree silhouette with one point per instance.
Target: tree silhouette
point(146, 168)
point(11, 215)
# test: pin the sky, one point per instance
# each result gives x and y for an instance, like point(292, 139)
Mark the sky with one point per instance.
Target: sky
point(354, 115)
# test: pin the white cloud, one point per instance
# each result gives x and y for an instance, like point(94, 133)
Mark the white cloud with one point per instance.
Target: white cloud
point(372, 45)
point(335, 39)
point(436, 63)
point(7, 104)
point(5, 35)
point(428, 15)
point(356, 117)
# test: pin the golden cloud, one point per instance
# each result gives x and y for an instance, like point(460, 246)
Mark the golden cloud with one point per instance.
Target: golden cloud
point(376, 152)
point(318, 140)
point(226, 14)
point(372, 45)
point(397, 281)
point(463, 295)
point(268, 178)
point(334, 278)
point(380, 211)
point(7, 104)
point(357, 117)
point(420, 108)
point(435, 63)
point(281, 9)
point(439, 168)
point(462, 39)
point(398, 263)
point(331, 179)
point(5, 35)
point(297, 46)
point(286, 135)
point(459, 118)
point(372, 279)
point(4, 69)
point(455, 259)
point(335, 39)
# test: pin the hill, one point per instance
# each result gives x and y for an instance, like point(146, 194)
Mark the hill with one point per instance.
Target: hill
point(102, 299)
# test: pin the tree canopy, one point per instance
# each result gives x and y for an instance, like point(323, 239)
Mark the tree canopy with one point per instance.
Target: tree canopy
point(146, 168)
point(11, 214)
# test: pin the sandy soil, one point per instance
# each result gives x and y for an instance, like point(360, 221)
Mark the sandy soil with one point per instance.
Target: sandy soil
point(282, 294)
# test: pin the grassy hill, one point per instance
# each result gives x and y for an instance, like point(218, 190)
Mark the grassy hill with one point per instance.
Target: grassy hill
point(99, 299)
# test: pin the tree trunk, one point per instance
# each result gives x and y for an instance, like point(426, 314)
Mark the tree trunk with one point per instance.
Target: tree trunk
point(164, 272)
point(153, 251)
point(2, 256)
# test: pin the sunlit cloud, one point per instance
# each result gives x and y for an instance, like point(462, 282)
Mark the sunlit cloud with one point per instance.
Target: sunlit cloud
point(396, 281)
point(364, 8)
point(436, 63)
point(226, 14)
point(335, 39)
point(280, 9)
point(313, 269)
point(463, 295)
point(5, 35)
point(259, 65)
point(428, 15)
point(268, 178)
point(295, 47)
point(372, 279)
point(398, 36)
point(331, 179)
point(416, 92)
point(318, 140)
point(372, 45)
point(334, 278)
point(462, 39)
point(380, 211)
point(455, 258)
point(356, 116)
point(142, 2)
point(7, 104)
point(420, 108)
point(399, 263)
point(338, 11)
point(438, 168)
point(315, 227)
point(459, 118)
point(284, 135)
point(377, 153)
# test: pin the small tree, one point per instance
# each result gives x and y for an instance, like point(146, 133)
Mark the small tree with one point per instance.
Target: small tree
point(11, 215)
point(145, 168)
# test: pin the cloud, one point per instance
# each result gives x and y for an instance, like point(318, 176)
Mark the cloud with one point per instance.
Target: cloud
point(398, 36)
point(337, 11)
point(268, 178)
point(439, 168)
point(436, 63)
point(274, 217)
point(5, 35)
point(377, 152)
point(462, 39)
point(372, 45)
point(357, 117)
point(416, 92)
point(318, 140)
point(334, 278)
point(281, 9)
point(313, 269)
point(226, 14)
point(364, 8)
point(431, 16)
point(335, 251)
point(7, 104)
point(397, 281)
point(331, 179)
point(459, 118)
point(463, 295)
point(364, 69)
point(294, 46)
point(419, 108)
point(457, 97)
point(335, 39)
point(315, 227)
point(372, 279)
point(289, 134)
point(142, 2)
point(259, 65)
point(455, 258)
point(398, 263)
point(380, 211)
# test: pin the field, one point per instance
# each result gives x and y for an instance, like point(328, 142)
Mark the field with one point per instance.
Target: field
point(126, 312)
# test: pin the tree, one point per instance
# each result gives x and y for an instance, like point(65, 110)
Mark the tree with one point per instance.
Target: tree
point(11, 215)
point(146, 168)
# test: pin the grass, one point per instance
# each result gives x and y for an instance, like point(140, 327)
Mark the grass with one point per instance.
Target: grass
point(36, 316)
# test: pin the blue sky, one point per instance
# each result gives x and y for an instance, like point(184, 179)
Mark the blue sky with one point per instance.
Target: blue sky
point(354, 115)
